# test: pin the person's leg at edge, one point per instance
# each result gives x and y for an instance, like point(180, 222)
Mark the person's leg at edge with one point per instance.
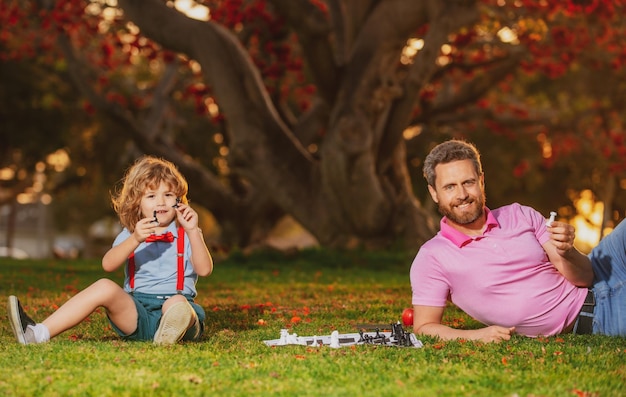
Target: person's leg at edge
point(609, 264)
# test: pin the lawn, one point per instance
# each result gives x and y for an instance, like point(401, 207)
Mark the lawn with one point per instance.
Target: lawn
point(249, 299)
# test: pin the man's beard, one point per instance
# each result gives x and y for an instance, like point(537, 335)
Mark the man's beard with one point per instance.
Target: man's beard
point(467, 217)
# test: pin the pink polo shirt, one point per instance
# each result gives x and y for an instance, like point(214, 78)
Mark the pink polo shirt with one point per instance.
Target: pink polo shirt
point(500, 278)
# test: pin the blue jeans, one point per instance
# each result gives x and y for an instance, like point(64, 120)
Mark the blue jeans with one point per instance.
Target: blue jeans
point(608, 259)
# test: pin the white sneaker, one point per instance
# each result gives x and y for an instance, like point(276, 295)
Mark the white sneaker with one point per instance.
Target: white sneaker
point(193, 333)
point(174, 324)
point(20, 321)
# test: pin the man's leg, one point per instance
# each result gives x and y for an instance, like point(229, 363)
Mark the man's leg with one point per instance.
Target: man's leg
point(608, 259)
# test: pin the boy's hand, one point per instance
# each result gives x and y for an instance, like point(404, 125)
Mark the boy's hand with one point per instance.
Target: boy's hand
point(187, 217)
point(144, 228)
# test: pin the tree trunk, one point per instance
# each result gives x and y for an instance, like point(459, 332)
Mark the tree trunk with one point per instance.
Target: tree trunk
point(357, 191)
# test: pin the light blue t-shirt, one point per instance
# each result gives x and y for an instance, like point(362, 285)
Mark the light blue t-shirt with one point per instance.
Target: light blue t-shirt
point(156, 266)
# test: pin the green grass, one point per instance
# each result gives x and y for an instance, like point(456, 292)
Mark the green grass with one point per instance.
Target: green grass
point(248, 300)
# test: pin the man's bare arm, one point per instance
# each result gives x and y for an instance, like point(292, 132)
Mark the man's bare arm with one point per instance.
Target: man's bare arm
point(427, 321)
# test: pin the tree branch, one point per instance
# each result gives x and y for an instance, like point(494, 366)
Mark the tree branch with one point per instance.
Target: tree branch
point(445, 17)
point(150, 141)
point(479, 86)
point(262, 148)
point(313, 32)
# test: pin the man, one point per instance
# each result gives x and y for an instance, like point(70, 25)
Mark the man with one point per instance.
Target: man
point(508, 268)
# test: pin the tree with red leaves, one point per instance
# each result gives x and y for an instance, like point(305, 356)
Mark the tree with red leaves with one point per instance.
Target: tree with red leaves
point(315, 108)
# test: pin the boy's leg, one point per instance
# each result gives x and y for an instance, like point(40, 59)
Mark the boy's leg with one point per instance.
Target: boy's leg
point(178, 317)
point(197, 329)
point(105, 293)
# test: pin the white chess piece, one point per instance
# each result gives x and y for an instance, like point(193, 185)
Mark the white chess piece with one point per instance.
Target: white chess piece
point(334, 339)
point(283, 337)
point(552, 218)
point(292, 339)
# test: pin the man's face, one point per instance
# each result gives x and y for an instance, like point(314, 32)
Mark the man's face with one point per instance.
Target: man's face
point(459, 192)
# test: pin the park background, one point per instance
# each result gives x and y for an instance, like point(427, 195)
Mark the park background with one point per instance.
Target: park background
point(301, 126)
point(310, 118)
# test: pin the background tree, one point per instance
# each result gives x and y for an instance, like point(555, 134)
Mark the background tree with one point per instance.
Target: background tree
point(323, 110)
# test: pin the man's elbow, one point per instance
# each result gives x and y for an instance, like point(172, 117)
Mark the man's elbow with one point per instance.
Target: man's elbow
point(586, 281)
point(421, 328)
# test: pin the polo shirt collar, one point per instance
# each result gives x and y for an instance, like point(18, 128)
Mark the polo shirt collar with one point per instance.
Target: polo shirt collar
point(460, 239)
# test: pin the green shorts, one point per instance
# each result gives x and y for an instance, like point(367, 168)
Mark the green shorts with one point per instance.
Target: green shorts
point(149, 316)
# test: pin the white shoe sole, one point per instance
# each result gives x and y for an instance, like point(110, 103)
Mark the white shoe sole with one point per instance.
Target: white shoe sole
point(13, 312)
point(193, 333)
point(174, 324)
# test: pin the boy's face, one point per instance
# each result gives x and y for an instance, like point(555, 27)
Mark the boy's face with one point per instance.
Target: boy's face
point(160, 199)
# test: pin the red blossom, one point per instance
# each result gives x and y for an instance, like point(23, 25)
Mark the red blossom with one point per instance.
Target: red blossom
point(521, 169)
point(88, 108)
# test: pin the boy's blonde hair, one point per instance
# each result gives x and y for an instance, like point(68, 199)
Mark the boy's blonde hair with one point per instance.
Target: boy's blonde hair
point(146, 173)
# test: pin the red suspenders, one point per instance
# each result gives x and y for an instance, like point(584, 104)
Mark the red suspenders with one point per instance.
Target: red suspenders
point(180, 256)
point(180, 279)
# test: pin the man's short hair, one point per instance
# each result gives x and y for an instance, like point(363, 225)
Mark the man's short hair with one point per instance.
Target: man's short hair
point(447, 152)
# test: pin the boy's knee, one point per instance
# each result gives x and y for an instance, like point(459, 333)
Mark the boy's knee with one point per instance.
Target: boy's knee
point(175, 299)
point(104, 285)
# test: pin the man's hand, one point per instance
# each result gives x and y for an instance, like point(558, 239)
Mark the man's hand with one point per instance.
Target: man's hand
point(494, 333)
point(562, 236)
point(570, 262)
